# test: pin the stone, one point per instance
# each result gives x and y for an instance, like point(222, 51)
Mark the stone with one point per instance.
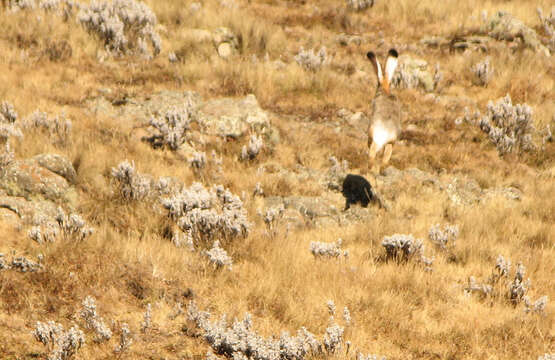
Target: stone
point(504, 26)
point(19, 209)
point(57, 164)
point(27, 178)
point(224, 50)
point(228, 117)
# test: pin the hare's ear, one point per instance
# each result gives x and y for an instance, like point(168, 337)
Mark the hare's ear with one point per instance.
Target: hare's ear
point(391, 64)
point(377, 69)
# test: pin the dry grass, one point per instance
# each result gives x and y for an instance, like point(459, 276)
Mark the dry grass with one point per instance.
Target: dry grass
point(398, 310)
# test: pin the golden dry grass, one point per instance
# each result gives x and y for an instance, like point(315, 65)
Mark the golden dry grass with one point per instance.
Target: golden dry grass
point(398, 310)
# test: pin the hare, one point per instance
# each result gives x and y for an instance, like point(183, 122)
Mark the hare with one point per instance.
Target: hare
point(385, 120)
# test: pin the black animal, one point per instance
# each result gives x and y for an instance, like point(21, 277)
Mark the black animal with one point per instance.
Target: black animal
point(357, 189)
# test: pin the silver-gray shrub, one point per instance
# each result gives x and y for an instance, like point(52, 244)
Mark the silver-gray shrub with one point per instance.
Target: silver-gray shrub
point(333, 338)
point(73, 226)
point(547, 356)
point(311, 60)
point(48, 229)
point(7, 112)
point(63, 344)
point(402, 247)
point(359, 5)
point(251, 151)
point(537, 307)
point(125, 26)
point(147, 320)
point(125, 339)
point(198, 160)
point(93, 321)
point(206, 214)
point(548, 23)
point(474, 287)
point(272, 216)
point(170, 129)
point(518, 287)
point(445, 237)
point(483, 72)
point(3, 264)
point(219, 257)
point(7, 156)
point(502, 267)
point(438, 75)
point(258, 190)
point(172, 57)
point(347, 316)
point(180, 239)
point(8, 117)
point(509, 127)
point(361, 356)
point(240, 340)
point(58, 127)
point(22, 264)
point(327, 250)
point(132, 185)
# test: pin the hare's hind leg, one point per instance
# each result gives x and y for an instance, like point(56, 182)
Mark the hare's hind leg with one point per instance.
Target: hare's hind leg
point(387, 153)
point(372, 157)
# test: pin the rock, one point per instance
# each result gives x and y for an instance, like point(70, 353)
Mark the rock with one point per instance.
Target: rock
point(459, 190)
point(18, 209)
point(503, 26)
point(224, 50)
point(464, 191)
point(57, 164)
point(8, 217)
point(27, 178)
point(229, 117)
point(302, 211)
point(139, 110)
point(509, 193)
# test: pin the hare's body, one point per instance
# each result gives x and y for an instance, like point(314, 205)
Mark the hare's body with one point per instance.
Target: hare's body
point(385, 120)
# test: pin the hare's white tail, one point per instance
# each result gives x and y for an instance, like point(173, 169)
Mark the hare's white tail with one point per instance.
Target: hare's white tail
point(382, 135)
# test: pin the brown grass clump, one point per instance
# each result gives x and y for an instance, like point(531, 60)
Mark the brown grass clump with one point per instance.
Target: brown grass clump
point(399, 309)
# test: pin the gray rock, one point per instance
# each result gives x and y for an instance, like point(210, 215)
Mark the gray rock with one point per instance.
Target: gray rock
point(28, 178)
point(225, 50)
point(229, 117)
point(224, 117)
point(459, 190)
point(504, 26)
point(18, 209)
point(57, 164)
